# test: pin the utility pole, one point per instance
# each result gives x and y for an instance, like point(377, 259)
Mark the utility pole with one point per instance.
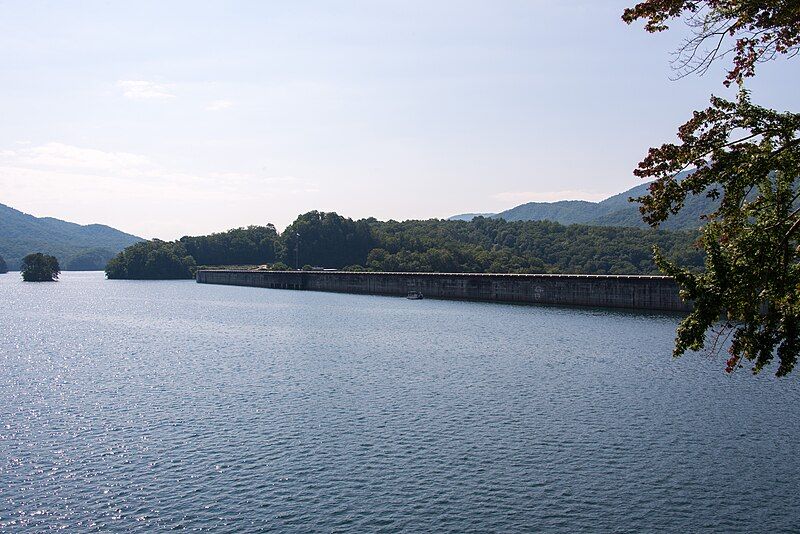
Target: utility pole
point(297, 252)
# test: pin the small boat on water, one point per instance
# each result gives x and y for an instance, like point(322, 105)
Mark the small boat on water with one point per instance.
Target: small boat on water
point(414, 295)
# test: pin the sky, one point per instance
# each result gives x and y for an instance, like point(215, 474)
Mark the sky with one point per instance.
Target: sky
point(165, 119)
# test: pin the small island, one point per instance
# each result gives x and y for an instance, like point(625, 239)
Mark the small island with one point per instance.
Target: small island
point(40, 267)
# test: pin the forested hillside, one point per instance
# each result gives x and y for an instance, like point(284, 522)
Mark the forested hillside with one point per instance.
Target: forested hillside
point(77, 247)
point(329, 240)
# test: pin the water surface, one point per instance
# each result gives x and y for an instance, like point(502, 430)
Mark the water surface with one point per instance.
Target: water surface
point(146, 406)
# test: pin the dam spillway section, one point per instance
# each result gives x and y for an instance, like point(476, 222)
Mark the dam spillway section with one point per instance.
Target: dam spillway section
point(656, 293)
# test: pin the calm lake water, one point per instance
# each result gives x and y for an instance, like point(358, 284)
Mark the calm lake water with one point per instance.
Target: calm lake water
point(145, 406)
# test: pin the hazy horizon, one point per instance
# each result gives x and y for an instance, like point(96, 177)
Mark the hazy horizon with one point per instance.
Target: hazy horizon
point(185, 119)
point(280, 229)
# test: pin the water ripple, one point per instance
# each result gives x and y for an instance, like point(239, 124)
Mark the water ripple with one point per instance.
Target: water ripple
point(149, 406)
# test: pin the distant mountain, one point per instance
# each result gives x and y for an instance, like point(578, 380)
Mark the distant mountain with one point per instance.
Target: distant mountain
point(613, 211)
point(77, 247)
point(470, 216)
point(563, 211)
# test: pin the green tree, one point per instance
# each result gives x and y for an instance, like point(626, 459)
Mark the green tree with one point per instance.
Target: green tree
point(152, 260)
point(254, 245)
point(326, 240)
point(748, 157)
point(40, 267)
point(3, 266)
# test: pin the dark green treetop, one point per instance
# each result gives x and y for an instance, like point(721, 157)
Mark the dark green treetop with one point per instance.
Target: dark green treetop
point(326, 239)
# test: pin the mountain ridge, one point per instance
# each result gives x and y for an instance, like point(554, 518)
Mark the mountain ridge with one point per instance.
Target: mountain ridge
point(77, 247)
point(615, 210)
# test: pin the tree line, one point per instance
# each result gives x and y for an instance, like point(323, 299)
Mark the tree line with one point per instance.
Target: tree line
point(328, 240)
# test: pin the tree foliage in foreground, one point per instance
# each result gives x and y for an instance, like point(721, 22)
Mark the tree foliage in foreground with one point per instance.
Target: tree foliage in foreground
point(3, 266)
point(751, 31)
point(752, 272)
point(749, 158)
point(40, 267)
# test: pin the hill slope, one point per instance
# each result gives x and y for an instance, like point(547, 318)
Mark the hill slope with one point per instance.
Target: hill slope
point(77, 247)
point(613, 211)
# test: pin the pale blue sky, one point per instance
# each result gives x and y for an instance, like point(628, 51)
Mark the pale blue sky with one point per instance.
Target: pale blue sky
point(172, 118)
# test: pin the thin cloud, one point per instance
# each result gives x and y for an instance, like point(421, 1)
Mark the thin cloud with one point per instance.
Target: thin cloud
point(141, 195)
point(63, 156)
point(305, 190)
point(279, 179)
point(218, 105)
point(145, 90)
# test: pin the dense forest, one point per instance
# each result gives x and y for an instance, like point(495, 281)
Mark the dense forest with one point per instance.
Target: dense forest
point(329, 240)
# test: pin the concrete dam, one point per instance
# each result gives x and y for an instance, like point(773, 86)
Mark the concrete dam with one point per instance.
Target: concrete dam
point(658, 293)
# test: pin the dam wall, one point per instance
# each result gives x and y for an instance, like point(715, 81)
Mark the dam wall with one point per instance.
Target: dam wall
point(633, 292)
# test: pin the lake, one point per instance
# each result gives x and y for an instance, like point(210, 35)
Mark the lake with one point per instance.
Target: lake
point(147, 406)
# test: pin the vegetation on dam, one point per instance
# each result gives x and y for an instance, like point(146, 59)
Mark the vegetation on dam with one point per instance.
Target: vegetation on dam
point(478, 246)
